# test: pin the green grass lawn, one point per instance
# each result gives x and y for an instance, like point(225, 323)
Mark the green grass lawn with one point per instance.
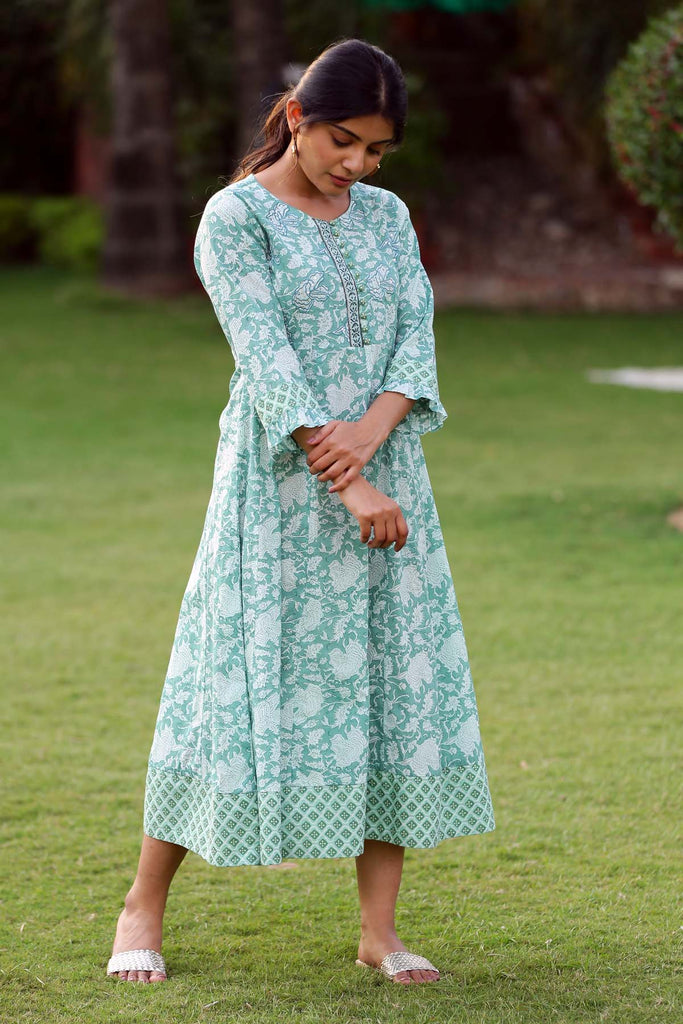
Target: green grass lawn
point(553, 494)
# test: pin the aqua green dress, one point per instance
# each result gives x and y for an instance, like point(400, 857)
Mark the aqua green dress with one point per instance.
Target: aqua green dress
point(318, 691)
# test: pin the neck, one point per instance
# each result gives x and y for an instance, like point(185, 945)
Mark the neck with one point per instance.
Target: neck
point(286, 174)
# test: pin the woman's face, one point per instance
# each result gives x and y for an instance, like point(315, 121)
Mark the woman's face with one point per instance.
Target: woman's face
point(334, 154)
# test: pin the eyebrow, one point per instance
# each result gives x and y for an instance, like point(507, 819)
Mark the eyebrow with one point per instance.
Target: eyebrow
point(342, 129)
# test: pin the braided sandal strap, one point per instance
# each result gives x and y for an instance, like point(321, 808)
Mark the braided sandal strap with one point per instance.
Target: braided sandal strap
point(136, 960)
point(402, 961)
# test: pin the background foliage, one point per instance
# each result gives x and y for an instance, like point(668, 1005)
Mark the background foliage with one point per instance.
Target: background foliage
point(56, 59)
point(578, 43)
point(645, 119)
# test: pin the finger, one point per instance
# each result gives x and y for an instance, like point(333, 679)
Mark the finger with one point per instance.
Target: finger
point(316, 456)
point(392, 531)
point(342, 480)
point(380, 534)
point(322, 432)
point(332, 471)
point(349, 475)
point(321, 461)
point(324, 465)
point(365, 530)
point(391, 534)
point(402, 531)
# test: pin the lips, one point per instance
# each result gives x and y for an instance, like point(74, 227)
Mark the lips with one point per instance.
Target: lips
point(344, 181)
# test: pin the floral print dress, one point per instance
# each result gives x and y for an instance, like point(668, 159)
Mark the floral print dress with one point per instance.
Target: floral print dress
point(318, 691)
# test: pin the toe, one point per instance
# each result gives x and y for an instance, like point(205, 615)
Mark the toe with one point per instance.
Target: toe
point(403, 977)
point(425, 975)
point(123, 975)
point(157, 976)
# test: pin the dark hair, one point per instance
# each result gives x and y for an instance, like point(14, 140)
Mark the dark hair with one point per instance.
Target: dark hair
point(349, 78)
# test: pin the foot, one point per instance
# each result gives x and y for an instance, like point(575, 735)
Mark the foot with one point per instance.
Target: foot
point(373, 949)
point(138, 927)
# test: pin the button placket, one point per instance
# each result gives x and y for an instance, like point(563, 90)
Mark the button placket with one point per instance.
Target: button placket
point(355, 302)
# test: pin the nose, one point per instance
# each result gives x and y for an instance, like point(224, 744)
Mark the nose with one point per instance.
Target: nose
point(353, 163)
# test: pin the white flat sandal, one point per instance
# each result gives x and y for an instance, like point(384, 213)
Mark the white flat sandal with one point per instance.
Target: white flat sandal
point(136, 960)
point(402, 961)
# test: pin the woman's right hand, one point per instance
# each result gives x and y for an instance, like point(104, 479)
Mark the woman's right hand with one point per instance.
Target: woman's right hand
point(375, 510)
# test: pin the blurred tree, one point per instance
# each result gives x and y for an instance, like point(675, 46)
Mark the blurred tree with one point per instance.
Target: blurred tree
point(85, 49)
point(56, 55)
point(145, 246)
point(576, 43)
point(221, 82)
point(260, 50)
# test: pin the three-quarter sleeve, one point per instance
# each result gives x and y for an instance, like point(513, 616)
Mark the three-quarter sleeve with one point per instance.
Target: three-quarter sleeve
point(412, 367)
point(231, 257)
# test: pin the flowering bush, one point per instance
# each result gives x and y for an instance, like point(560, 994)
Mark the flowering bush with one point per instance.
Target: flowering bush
point(644, 115)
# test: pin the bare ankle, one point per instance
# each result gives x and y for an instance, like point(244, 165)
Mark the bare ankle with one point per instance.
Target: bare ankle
point(138, 899)
point(372, 933)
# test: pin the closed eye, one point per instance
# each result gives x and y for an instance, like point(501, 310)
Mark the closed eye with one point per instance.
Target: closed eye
point(338, 143)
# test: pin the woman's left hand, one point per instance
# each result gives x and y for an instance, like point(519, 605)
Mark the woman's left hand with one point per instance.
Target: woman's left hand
point(339, 451)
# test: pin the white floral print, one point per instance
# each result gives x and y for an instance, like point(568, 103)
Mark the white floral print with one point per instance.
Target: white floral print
point(318, 691)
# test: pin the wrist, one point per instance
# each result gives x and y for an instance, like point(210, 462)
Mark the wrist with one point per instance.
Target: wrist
point(357, 482)
point(374, 428)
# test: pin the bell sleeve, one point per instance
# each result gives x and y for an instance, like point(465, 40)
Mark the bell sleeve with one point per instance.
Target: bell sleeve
point(231, 257)
point(412, 367)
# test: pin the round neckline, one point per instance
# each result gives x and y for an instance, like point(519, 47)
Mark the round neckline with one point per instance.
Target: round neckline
point(309, 216)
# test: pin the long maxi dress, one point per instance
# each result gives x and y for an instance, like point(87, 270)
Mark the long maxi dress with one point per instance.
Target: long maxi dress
point(318, 691)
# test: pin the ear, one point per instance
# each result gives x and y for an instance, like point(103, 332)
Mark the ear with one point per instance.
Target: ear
point(294, 110)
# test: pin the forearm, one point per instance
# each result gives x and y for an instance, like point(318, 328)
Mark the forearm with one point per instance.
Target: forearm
point(373, 427)
point(386, 412)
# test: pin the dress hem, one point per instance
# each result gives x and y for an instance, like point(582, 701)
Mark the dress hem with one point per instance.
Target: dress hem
point(265, 827)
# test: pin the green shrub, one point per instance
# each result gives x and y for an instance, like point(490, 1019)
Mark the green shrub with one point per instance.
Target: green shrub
point(70, 231)
point(644, 114)
point(17, 234)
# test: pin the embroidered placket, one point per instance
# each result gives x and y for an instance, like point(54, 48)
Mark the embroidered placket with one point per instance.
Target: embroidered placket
point(353, 314)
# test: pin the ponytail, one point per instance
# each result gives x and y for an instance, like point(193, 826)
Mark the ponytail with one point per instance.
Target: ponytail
point(276, 133)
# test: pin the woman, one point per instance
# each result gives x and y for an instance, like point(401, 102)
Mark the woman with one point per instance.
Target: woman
point(318, 701)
